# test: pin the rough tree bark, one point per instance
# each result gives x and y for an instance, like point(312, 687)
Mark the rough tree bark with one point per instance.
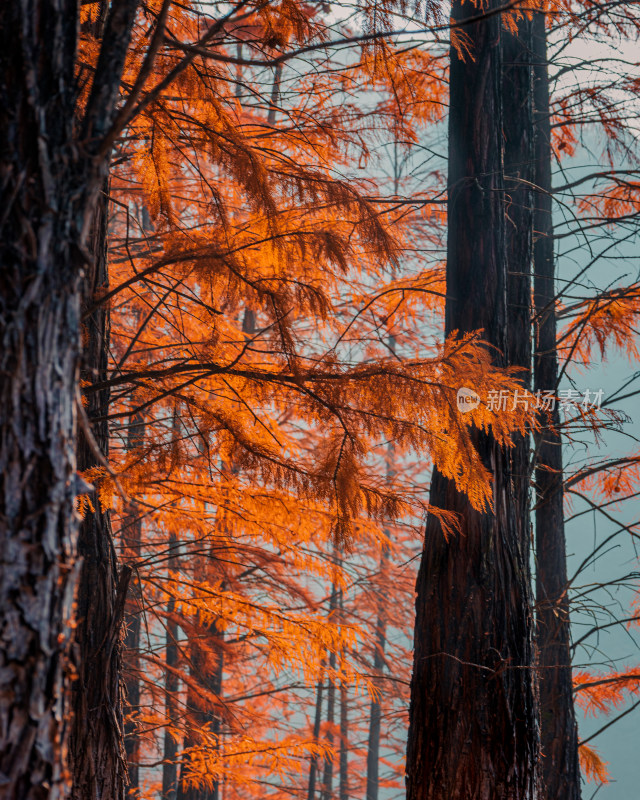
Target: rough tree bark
point(473, 727)
point(50, 179)
point(40, 292)
point(560, 768)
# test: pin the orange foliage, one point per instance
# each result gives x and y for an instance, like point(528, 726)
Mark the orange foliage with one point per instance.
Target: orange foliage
point(275, 403)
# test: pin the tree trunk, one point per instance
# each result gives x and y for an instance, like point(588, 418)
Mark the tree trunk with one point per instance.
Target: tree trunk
point(96, 748)
point(327, 772)
point(40, 295)
point(344, 743)
point(131, 536)
point(213, 683)
point(170, 755)
point(343, 786)
point(517, 93)
point(48, 191)
point(373, 744)
point(313, 766)
point(473, 728)
point(560, 767)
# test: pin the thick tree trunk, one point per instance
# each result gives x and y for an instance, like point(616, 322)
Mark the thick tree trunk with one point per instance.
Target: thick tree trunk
point(517, 94)
point(560, 767)
point(40, 273)
point(473, 728)
point(40, 297)
point(48, 191)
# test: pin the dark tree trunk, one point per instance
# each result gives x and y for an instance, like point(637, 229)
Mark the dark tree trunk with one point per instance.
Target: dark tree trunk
point(343, 784)
point(313, 766)
point(473, 728)
point(40, 295)
point(171, 686)
point(327, 772)
point(560, 767)
point(48, 191)
point(373, 744)
point(198, 715)
point(131, 538)
point(517, 93)
point(97, 755)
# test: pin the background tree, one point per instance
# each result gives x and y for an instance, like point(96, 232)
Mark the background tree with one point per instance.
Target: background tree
point(473, 717)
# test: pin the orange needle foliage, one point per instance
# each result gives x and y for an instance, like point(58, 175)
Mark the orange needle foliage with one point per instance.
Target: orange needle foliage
point(249, 286)
point(255, 282)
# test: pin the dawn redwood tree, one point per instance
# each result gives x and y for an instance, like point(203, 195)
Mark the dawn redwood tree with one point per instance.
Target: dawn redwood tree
point(473, 719)
point(59, 121)
point(53, 171)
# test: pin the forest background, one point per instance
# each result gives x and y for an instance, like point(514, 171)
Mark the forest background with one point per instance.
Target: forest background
point(266, 386)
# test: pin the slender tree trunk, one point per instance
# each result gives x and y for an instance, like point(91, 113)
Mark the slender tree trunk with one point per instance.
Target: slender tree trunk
point(373, 745)
point(170, 755)
point(97, 753)
point(473, 728)
point(275, 94)
point(560, 765)
point(343, 785)
point(375, 713)
point(344, 743)
point(313, 766)
point(327, 773)
point(131, 535)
